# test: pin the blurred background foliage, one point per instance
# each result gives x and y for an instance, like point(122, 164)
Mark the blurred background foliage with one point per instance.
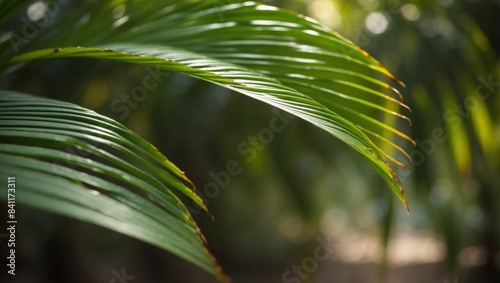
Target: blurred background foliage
point(302, 183)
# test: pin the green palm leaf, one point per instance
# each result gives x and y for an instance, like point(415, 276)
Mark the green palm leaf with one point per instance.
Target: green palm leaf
point(239, 79)
point(323, 78)
point(75, 162)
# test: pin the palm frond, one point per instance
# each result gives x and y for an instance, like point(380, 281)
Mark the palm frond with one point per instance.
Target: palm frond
point(75, 162)
point(323, 78)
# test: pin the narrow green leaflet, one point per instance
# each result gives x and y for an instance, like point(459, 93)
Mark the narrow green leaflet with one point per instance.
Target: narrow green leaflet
point(75, 162)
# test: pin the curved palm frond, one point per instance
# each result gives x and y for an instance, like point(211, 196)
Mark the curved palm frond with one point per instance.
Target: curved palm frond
point(273, 55)
point(75, 162)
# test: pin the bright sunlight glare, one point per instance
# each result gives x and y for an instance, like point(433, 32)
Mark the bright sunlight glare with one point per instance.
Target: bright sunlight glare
point(326, 13)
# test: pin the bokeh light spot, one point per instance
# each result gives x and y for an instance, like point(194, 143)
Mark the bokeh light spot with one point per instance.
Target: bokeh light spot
point(36, 11)
point(410, 12)
point(377, 22)
point(326, 13)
